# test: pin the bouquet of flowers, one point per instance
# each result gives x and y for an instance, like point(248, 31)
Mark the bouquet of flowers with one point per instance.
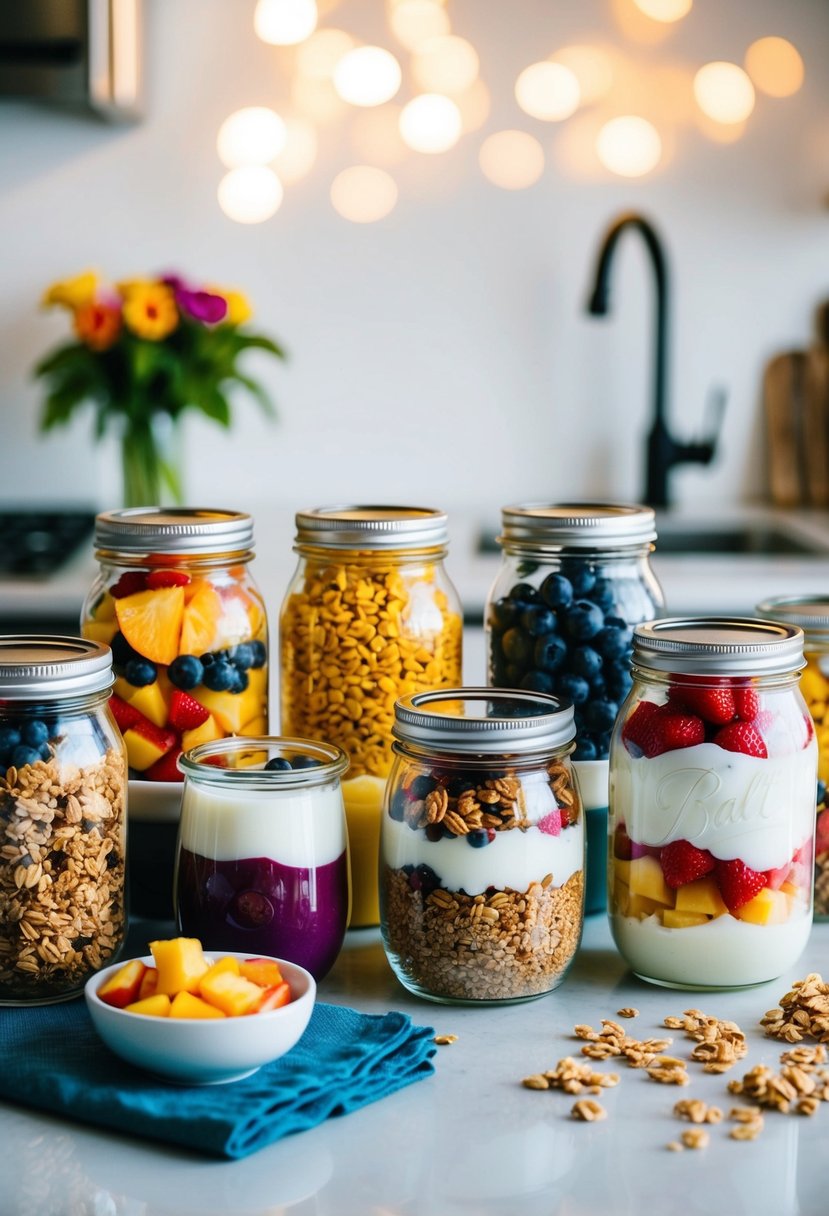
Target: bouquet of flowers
point(147, 350)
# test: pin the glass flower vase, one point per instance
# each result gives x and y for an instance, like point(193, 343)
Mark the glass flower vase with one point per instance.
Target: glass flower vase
point(151, 462)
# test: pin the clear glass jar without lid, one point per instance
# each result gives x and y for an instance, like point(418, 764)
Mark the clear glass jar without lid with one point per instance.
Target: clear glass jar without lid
point(63, 825)
point(811, 613)
point(712, 776)
point(370, 616)
point(482, 846)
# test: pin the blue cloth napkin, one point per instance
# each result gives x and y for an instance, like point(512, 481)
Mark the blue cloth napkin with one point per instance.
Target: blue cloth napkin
point(53, 1060)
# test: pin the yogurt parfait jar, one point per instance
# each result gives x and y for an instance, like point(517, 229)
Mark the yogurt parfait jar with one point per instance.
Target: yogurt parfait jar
point(261, 864)
point(575, 579)
point(713, 766)
point(63, 822)
point(482, 846)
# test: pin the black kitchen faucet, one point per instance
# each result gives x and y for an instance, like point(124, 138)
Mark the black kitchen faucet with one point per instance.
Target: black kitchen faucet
point(663, 451)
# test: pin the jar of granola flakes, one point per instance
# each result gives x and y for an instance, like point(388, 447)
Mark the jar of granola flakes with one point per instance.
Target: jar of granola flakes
point(811, 613)
point(370, 616)
point(482, 847)
point(62, 818)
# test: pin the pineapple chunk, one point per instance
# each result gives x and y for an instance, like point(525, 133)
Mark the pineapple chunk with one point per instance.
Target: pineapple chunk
point(180, 964)
point(701, 897)
point(186, 1005)
point(646, 878)
point(767, 908)
point(672, 919)
point(157, 1006)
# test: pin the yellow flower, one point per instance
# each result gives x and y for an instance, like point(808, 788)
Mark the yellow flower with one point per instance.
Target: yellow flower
point(238, 306)
point(72, 293)
point(149, 309)
point(98, 325)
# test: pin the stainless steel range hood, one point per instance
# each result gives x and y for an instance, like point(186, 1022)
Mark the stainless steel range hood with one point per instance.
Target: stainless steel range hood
point(84, 54)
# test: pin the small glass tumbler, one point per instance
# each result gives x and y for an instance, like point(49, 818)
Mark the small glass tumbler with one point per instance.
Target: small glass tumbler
point(261, 862)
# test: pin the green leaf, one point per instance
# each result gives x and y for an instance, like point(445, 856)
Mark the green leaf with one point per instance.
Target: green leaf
point(71, 355)
point(257, 391)
point(258, 342)
point(214, 404)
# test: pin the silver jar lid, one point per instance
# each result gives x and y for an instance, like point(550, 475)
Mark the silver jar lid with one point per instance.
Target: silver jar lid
point(578, 525)
point(810, 612)
point(484, 720)
point(173, 530)
point(35, 667)
point(719, 646)
point(367, 527)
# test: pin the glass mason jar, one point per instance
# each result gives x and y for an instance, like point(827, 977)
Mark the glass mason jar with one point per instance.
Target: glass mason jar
point(63, 823)
point(370, 616)
point(712, 776)
point(261, 862)
point(482, 846)
point(811, 613)
point(575, 579)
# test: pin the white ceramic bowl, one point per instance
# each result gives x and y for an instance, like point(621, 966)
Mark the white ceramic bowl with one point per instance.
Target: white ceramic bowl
point(193, 1051)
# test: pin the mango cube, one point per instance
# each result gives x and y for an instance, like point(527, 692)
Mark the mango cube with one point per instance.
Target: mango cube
point(262, 971)
point(99, 631)
point(647, 879)
point(157, 1006)
point(181, 965)
point(701, 897)
point(186, 1005)
point(149, 983)
point(224, 964)
point(640, 905)
point(206, 733)
point(124, 987)
point(767, 908)
point(621, 871)
point(233, 994)
point(149, 700)
point(672, 919)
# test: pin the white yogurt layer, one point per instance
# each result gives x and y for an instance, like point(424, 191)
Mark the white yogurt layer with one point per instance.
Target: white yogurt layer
point(725, 953)
point(593, 783)
point(295, 827)
point(733, 805)
point(513, 859)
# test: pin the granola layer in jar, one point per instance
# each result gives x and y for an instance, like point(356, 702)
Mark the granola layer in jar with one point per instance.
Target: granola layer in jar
point(482, 846)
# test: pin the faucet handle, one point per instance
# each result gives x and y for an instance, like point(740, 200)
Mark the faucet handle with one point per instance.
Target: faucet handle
point(714, 414)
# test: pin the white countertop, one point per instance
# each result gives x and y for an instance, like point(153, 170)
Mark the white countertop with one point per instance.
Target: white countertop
point(469, 1140)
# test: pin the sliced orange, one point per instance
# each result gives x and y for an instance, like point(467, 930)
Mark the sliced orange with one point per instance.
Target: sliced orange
point(200, 623)
point(151, 622)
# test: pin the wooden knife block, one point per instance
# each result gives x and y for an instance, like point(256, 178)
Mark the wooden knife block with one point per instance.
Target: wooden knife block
point(796, 405)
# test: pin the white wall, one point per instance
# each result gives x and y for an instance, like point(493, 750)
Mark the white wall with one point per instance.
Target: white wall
point(442, 355)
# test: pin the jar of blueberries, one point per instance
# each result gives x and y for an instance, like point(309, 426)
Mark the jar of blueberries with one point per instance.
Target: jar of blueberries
point(176, 602)
point(575, 579)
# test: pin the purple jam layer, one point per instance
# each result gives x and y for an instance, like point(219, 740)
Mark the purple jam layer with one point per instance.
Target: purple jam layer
point(260, 906)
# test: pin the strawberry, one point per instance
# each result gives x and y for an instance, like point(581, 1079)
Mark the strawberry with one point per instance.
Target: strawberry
point(123, 713)
point(670, 729)
point(822, 832)
point(742, 737)
point(713, 704)
point(738, 883)
point(167, 578)
point(164, 740)
point(746, 702)
point(635, 729)
point(129, 583)
point(186, 713)
point(165, 769)
point(810, 730)
point(622, 846)
point(683, 862)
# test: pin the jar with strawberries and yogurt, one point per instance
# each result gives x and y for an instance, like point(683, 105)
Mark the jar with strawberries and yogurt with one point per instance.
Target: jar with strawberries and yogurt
point(482, 846)
point(176, 602)
point(811, 613)
point(713, 765)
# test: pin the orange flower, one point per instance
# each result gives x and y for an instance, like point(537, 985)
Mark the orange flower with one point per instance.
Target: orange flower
point(98, 325)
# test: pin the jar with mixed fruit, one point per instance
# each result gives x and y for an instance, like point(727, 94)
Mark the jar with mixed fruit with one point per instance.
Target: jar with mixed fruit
point(62, 818)
point(175, 601)
point(482, 846)
point(575, 579)
point(370, 616)
point(713, 766)
point(811, 613)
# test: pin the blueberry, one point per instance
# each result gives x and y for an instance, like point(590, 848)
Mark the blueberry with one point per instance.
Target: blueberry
point(537, 620)
point(278, 764)
point(598, 687)
point(421, 786)
point(122, 652)
point(218, 676)
point(481, 837)
point(238, 680)
point(613, 641)
point(517, 646)
point(140, 672)
point(259, 653)
point(433, 832)
point(504, 613)
point(619, 683)
point(513, 674)
point(251, 909)
point(397, 806)
point(600, 715)
point(603, 594)
point(556, 591)
point(45, 753)
point(585, 661)
point(23, 756)
point(537, 681)
point(424, 879)
point(303, 761)
point(9, 738)
point(34, 733)
point(585, 750)
point(525, 592)
point(186, 672)
point(582, 577)
point(549, 653)
point(573, 688)
point(241, 656)
point(821, 791)
point(583, 620)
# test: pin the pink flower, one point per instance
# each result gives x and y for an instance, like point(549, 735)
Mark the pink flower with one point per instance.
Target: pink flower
point(205, 306)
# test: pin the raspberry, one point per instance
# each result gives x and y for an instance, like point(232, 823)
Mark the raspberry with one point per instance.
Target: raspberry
point(129, 583)
point(551, 823)
point(683, 862)
point(167, 578)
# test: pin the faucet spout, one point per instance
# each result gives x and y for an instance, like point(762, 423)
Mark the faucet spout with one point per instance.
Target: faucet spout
point(663, 451)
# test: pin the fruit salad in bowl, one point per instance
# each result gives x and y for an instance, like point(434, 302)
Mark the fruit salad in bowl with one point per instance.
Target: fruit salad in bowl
point(200, 1019)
